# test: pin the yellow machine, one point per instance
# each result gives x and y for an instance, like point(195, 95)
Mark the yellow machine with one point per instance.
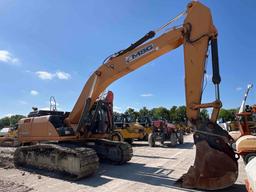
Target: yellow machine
point(78, 135)
point(10, 138)
point(128, 129)
point(147, 123)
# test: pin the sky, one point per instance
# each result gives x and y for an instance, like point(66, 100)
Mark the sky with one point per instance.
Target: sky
point(51, 47)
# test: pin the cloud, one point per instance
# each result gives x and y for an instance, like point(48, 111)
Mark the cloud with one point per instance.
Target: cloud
point(45, 108)
point(117, 109)
point(45, 75)
point(146, 95)
point(132, 107)
point(7, 57)
point(48, 108)
point(34, 92)
point(238, 88)
point(62, 75)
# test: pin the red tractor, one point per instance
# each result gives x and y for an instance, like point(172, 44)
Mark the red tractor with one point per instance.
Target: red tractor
point(164, 131)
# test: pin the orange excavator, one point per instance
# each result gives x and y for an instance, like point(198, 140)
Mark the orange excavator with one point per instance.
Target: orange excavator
point(72, 142)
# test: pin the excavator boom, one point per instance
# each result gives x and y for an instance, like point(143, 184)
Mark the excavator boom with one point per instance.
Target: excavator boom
point(117, 67)
point(195, 34)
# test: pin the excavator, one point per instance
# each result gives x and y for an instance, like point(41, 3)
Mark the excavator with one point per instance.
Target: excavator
point(74, 141)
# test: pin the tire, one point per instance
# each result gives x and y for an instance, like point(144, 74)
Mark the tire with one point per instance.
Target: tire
point(248, 157)
point(116, 136)
point(130, 141)
point(162, 139)
point(145, 138)
point(151, 140)
point(181, 137)
point(173, 139)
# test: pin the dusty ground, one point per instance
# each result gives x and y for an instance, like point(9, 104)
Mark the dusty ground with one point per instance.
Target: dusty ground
point(151, 169)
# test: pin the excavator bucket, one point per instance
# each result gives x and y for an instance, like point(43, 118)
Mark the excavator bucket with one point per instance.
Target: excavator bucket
point(215, 165)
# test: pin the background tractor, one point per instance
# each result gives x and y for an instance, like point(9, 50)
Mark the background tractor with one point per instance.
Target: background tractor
point(164, 131)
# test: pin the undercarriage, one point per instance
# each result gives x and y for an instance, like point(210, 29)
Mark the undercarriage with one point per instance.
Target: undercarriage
point(75, 160)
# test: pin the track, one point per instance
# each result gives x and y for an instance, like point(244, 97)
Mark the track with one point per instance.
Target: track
point(75, 162)
point(112, 151)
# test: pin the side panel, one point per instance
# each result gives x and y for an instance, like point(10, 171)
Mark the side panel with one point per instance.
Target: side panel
point(36, 129)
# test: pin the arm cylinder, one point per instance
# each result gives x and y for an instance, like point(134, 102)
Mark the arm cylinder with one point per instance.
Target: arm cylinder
point(216, 79)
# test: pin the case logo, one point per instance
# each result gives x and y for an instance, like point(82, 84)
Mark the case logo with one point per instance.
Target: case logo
point(140, 53)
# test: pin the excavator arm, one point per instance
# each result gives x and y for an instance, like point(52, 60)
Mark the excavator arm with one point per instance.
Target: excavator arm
point(194, 35)
point(215, 164)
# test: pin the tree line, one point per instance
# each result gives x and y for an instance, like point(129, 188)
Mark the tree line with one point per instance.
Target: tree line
point(173, 114)
point(10, 121)
point(176, 113)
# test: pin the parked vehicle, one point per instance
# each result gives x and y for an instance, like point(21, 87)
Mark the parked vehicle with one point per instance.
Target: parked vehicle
point(128, 129)
point(163, 131)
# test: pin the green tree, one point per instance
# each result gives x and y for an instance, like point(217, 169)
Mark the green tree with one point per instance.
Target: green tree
point(181, 114)
point(1, 124)
point(15, 118)
point(204, 114)
point(227, 114)
point(144, 112)
point(160, 113)
point(4, 122)
point(10, 121)
point(172, 113)
point(132, 113)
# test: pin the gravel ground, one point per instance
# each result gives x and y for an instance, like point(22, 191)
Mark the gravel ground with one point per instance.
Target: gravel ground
point(6, 157)
point(8, 186)
point(151, 169)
